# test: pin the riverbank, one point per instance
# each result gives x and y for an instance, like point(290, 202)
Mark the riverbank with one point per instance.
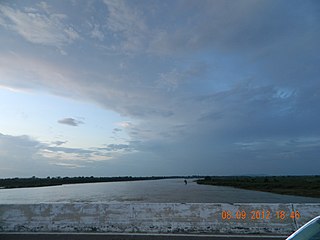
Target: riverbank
point(307, 186)
point(56, 181)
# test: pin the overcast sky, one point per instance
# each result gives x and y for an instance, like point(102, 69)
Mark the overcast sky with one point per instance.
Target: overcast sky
point(108, 88)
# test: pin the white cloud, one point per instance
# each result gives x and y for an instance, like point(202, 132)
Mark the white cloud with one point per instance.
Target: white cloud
point(125, 124)
point(71, 34)
point(74, 155)
point(97, 33)
point(45, 6)
point(68, 165)
point(38, 28)
point(28, 73)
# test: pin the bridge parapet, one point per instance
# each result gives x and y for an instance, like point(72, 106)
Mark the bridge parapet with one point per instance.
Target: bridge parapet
point(215, 218)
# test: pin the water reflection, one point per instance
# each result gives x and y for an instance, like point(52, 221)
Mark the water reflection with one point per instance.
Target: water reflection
point(153, 191)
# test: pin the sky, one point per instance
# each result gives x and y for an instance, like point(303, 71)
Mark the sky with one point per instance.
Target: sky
point(142, 88)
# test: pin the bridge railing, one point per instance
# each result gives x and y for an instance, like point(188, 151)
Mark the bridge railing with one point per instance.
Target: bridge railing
point(215, 218)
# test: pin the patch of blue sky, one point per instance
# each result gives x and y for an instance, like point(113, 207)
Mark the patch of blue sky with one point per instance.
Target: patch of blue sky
point(37, 115)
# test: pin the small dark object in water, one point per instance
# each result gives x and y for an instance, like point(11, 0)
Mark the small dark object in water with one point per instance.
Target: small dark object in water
point(185, 182)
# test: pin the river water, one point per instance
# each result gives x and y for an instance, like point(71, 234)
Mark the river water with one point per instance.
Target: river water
point(152, 191)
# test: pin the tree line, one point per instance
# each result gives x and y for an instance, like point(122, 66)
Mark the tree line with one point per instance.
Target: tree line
point(54, 181)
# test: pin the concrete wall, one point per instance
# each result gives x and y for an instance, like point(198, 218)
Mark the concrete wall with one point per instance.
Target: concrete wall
point(155, 218)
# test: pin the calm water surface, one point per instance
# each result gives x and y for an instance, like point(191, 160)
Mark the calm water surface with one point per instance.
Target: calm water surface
point(154, 191)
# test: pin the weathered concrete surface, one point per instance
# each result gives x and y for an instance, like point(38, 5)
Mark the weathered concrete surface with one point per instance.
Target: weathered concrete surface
point(105, 236)
point(156, 218)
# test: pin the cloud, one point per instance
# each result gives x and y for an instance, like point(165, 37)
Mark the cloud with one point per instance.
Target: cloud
point(118, 147)
point(82, 156)
point(170, 80)
point(68, 165)
point(116, 130)
point(69, 150)
point(196, 84)
point(37, 27)
point(96, 33)
point(125, 124)
point(70, 122)
point(41, 159)
point(127, 21)
point(58, 143)
point(251, 25)
point(19, 156)
point(24, 143)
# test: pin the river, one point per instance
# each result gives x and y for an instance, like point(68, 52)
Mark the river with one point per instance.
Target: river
point(153, 191)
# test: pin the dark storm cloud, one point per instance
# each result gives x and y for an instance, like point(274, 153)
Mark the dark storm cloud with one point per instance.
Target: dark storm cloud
point(70, 122)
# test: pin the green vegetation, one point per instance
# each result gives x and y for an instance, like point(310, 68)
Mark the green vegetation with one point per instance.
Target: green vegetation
point(308, 186)
point(54, 181)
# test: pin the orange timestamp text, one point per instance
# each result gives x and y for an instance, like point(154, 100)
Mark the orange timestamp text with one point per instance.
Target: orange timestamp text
point(259, 215)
